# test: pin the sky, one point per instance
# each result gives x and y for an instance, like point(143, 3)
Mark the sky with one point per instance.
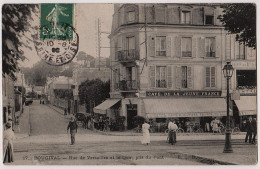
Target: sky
point(86, 16)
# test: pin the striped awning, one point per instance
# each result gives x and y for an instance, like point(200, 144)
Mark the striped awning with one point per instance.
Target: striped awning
point(246, 105)
point(185, 107)
point(101, 109)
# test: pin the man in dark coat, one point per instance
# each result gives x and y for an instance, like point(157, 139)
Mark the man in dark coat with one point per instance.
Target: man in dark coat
point(254, 130)
point(73, 129)
point(249, 129)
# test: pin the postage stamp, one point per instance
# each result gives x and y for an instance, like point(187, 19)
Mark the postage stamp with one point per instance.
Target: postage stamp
point(58, 41)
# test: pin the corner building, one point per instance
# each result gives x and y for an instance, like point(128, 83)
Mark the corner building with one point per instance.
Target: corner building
point(167, 62)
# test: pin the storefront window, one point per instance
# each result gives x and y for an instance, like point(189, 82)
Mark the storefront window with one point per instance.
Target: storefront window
point(246, 79)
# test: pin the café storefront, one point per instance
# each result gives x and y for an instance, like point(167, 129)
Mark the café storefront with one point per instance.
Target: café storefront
point(197, 107)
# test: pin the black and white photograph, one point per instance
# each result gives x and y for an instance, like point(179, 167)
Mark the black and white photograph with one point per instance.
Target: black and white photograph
point(129, 83)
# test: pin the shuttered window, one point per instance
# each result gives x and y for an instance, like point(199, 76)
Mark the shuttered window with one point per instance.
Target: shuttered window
point(210, 77)
point(210, 47)
point(186, 45)
point(160, 76)
point(160, 45)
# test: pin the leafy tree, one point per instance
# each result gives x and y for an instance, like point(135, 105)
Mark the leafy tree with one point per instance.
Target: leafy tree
point(240, 19)
point(15, 23)
point(37, 75)
point(93, 92)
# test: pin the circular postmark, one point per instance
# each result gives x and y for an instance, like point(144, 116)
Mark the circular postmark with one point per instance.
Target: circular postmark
point(57, 43)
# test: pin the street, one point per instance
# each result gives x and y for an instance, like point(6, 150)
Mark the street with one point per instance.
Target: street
point(49, 143)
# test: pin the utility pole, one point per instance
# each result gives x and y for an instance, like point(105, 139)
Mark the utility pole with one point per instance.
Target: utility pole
point(99, 40)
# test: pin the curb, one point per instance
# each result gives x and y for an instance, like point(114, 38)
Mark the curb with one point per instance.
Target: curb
point(51, 106)
point(204, 160)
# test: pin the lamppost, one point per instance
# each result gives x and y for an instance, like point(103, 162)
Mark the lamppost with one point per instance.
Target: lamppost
point(228, 72)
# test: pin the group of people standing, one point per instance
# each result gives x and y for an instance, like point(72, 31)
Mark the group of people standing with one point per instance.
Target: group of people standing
point(251, 130)
point(172, 127)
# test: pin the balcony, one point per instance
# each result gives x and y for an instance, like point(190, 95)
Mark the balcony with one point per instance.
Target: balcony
point(128, 85)
point(246, 90)
point(210, 54)
point(186, 54)
point(160, 53)
point(240, 57)
point(127, 55)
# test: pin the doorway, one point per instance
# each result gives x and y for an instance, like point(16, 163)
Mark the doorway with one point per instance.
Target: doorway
point(131, 113)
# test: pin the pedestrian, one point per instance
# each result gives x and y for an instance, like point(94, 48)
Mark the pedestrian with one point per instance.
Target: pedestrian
point(172, 127)
point(214, 125)
point(249, 129)
point(254, 130)
point(146, 134)
point(8, 137)
point(73, 129)
point(101, 123)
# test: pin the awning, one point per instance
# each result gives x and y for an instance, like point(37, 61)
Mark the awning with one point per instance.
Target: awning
point(246, 105)
point(101, 109)
point(188, 107)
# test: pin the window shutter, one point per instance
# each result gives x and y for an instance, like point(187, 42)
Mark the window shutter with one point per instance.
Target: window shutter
point(152, 76)
point(168, 46)
point(177, 44)
point(123, 73)
point(189, 77)
point(202, 47)
point(207, 75)
point(178, 77)
point(218, 47)
point(151, 46)
point(236, 50)
point(194, 47)
point(213, 77)
point(133, 73)
point(119, 43)
point(169, 76)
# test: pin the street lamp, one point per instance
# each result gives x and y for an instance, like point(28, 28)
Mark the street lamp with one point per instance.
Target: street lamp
point(228, 72)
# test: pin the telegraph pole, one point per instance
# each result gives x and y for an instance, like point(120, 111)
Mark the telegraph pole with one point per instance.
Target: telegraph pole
point(99, 40)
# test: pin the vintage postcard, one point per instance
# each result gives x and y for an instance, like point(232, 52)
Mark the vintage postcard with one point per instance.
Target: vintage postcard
point(129, 84)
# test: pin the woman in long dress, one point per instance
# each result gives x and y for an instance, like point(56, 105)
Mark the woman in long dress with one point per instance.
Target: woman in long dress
point(8, 137)
point(146, 134)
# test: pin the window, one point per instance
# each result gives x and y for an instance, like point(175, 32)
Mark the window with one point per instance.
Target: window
point(130, 16)
point(160, 76)
point(246, 79)
point(210, 47)
point(161, 46)
point(130, 46)
point(116, 78)
point(241, 51)
point(184, 77)
point(209, 20)
point(186, 47)
point(186, 17)
point(210, 77)
point(160, 14)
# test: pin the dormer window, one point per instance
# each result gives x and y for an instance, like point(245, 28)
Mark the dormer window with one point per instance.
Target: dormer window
point(186, 17)
point(130, 16)
point(209, 20)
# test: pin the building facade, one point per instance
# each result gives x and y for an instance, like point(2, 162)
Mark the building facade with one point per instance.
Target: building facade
point(167, 62)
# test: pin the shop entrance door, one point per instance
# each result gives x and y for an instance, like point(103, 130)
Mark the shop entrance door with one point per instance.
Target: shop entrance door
point(131, 113)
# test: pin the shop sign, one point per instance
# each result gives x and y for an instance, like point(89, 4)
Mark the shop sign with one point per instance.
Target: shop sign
point(183, 93)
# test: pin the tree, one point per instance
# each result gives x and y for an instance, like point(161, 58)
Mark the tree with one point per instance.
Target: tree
point(93, 92)
point(240, 19)
point(15, 23)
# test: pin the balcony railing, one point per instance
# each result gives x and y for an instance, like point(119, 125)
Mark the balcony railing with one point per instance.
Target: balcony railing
point(210, 54)
point(160, 53)
point(240, 57)
point(126, 85)
point(244, 90)
point(186, 54)
point(127, 55)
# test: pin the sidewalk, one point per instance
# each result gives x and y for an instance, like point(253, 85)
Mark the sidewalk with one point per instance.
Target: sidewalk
point(132, 133)
point(24, 123)
point(59, 110)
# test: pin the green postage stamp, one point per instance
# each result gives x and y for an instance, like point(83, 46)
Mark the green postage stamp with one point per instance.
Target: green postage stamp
point(57, 43)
